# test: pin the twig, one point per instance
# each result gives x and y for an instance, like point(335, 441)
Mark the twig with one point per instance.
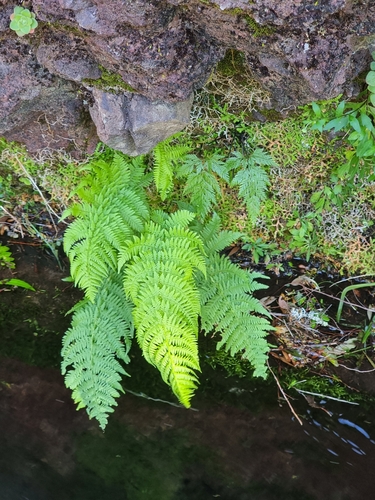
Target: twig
point(142, 395)
point(286, 397)
point(356, 370)
point(326, 397)
point(36, 187)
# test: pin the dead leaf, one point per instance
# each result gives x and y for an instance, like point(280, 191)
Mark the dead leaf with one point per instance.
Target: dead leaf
point(283, 304)
point(305, 281)
point(266, 301)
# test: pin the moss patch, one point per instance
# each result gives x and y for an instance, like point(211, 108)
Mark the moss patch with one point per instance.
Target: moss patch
point(110, 82)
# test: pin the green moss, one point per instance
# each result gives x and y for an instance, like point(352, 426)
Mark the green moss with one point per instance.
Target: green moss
point(272, 115)
point(232, 64)
point(257, 30)
point(110, 82)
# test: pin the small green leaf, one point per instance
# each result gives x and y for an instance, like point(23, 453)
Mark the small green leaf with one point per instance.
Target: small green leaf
point(316, 109)
point(370, 78)
point(337, 124)
point(20, 283)
point(340, 109)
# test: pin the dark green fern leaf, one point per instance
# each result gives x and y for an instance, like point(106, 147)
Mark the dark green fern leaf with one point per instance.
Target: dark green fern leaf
point(99, 338)
point(251, 179)
point(202, 186)
point(114, 210)
point(159, 269)
point(229, 309)
point(166, 156)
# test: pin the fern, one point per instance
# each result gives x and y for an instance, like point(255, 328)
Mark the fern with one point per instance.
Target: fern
point(202, 186)
point(171, 275)
point(165, 158)
point(100, 336)
point(227, 304)
point(112, 210)
point(251, 179)
point(159, 279)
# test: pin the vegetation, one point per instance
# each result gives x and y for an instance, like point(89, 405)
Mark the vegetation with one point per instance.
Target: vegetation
point(156, 273)
point(148, 233)
point(23, 21)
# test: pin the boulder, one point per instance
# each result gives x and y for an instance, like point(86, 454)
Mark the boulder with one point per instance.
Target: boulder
point(133, 123)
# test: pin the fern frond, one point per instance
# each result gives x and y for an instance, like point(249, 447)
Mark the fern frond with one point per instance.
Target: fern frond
point(215, 240)
point(165, 158)
point(229, 309)
point(99, 338)
point(117, 210)
point(203, 190)
point(159, 279)
point(251, 178)
point(252, 185)
point(262, 158)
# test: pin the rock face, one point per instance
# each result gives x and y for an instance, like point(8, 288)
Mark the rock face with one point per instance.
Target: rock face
point(133, 65)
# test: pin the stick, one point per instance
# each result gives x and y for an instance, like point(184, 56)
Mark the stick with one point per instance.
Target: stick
point(286, 397)
point(324, 396)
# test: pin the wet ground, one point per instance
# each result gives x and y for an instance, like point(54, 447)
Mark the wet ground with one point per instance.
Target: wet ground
point(237, 443)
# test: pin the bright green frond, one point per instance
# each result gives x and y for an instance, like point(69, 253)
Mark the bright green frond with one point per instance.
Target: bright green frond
point(116, 212)
point(203, 190)
point(166, 157)
point(159, 279)
point(99, 338)
point(215, 240)
point(252, 185)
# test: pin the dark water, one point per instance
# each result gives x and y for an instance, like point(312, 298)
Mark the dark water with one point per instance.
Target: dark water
point(237, 443)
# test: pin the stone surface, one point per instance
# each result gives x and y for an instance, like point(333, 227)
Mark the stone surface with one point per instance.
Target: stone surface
point(38, 108)
point(162, 51)
point(134, 124)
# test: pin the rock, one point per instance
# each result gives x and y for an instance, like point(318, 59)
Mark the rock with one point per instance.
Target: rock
point(38, 108)
point(160, 52)
point(66, 55)
point(134, 124)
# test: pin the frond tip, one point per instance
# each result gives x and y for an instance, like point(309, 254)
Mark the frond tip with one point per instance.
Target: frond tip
point(99, 338)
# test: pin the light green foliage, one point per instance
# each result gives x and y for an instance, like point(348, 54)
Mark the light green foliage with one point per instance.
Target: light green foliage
point(159, 279)
point(355, 120)
point(6, 258)
point(113, 208)
point(23, 21)
point(171, 275)
point(244, 172)
point(100, 336)
point(201, 185)
point(166, 158)
point(226, 297)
